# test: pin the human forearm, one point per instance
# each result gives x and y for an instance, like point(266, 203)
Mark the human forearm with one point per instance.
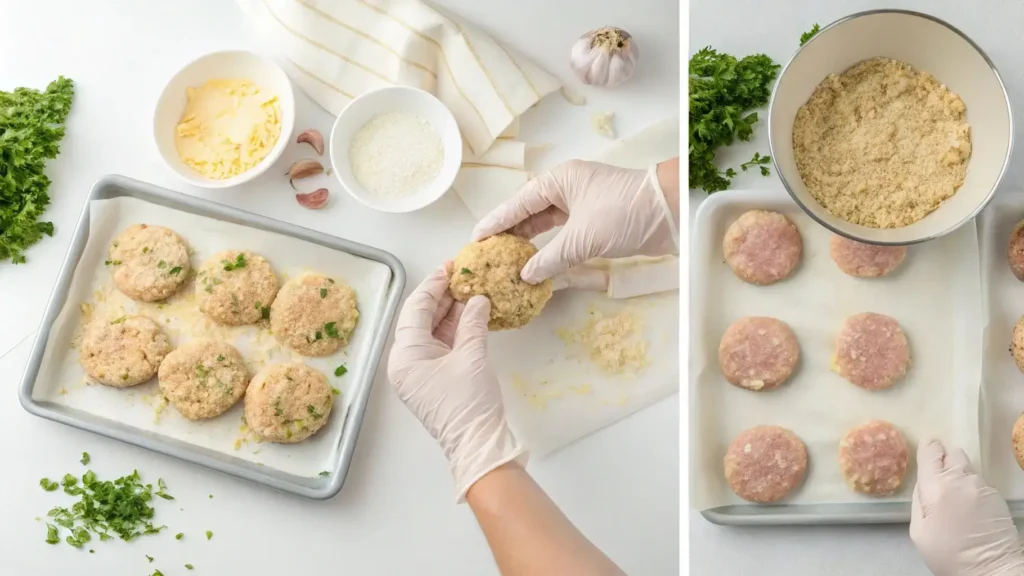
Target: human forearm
point(526, 531)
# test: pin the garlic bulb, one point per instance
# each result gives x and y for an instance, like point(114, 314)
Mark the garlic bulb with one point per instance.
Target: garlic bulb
point(604, 57)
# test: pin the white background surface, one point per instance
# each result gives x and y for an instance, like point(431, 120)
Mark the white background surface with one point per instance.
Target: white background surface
point(742, 27)
point(395, 514)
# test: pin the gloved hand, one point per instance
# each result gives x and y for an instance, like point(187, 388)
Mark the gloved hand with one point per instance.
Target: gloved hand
point(438, 366)
point(604, 211)
point(961, 525)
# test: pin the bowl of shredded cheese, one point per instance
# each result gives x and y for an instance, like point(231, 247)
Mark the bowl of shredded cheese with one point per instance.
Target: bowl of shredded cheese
point(396, 149)
point(224, 118)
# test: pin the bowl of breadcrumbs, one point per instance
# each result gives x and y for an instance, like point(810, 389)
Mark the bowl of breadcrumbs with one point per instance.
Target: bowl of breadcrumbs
point(890, 127)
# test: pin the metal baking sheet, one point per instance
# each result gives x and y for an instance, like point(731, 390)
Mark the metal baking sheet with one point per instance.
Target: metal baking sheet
point(315, 486)
point(936, 297)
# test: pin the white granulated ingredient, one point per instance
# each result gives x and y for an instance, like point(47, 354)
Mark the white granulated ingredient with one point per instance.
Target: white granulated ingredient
point(396, 154)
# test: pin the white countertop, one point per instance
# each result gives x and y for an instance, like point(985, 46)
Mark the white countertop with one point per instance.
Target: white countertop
point(395, 514)
point(742, 27)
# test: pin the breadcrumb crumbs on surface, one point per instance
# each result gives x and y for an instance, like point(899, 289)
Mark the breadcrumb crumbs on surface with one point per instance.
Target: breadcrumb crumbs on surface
point(614, 344)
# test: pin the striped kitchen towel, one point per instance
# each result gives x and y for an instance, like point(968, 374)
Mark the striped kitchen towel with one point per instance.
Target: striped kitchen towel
point(336, 50)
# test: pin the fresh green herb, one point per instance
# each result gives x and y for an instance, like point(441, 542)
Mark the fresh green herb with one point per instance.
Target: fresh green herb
point(238, 263)
point(179, 535)
point(313, 412)
point(211, 496)
point(331, 280)
point(340, 370)
point(209, 534)
point(265, 313)
point(52, 534)
point(48, 485)
point(331, 330)
point(161, 264)
point(91, 551)
point(150, 558)
point(278, 410)
point(145, 249)
point(323, 293)
point(202, 371)
point(162, 492)
point(157, 573)
point(325, 474)
point(107, 262)
point(31, 128)
point(758, 160)
point(220, 358)
point(335, 391)
point(809, 34)
point(188, 566)
point(174, 271)
point(319, 336)
point(722, 90)
point(85, 458)
point(119, 320)
point(466, 271)
point(115, 262)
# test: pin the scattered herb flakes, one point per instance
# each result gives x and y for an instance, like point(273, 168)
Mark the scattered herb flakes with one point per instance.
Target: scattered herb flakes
point(340, 370)
point(107, 262)
point(758, 160)
point(325, 474)
point(188, 566)
point(162, 492)
point(238, 263)
point(31, 128)
point(809, 34)
point(52, 534)
point(265, 313)
point(313, 412)
point(179, 535)
point(150, 558)
point(465, 271)
point(335, 391)
point(323, 293)
point(722, 90)
point(91, 551)
point(161, 264)
point(331, 330)
point(119, 320)
point(145, 249)
point(157, 573)
point(211, 496)
point(319, 336)
point(174, 271)
point(331, 280)
point(48, 485)
point(220, 358)
point(209, 534)
point(85, 459)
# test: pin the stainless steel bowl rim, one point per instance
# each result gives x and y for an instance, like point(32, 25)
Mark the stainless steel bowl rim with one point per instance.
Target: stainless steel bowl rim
point(1002, 171)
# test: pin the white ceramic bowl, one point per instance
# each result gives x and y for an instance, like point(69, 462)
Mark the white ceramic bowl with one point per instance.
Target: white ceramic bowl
point(383, 101)
point(930, 45)
point(230, 64)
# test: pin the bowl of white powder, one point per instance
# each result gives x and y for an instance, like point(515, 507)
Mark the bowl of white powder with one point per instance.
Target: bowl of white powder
point(396, 149)
point(890, 127)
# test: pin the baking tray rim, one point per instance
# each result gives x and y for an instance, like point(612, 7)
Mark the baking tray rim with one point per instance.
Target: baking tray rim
point(115, 185)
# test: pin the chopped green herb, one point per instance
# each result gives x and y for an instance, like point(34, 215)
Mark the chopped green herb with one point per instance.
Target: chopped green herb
point(161, 264)
point(145, 249)
point(202, 371)
point(809, 34)
point(211, 496)
point(220, 358)
point(278, 411)
point(265, 313)
point(157, 573)
point(174, 271)
point(150, 558)
point(85, 458)
point(331, 330)
point(209, 534)
point(69, 480)
point(188, 566)
point(331, 280)
point(466, 271)
point(234, 300)
point(162, 492)
point(319, 335)
point(91, 551)
point(179, 535)
point(48, 485)
point(32, 126)
point(238, 263)
point(313, 412)
point(323, 293)
point(124, 376)
point(335, 391)
point(758, 160)
point(325, 474)
point(107, 262)
point(119, 320)
point(52, 534)
point(115, 262)
point(340, 370)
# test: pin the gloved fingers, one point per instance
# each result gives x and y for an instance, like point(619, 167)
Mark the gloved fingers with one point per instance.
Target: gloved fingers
point(582, 278)
point(471, 332)
point(957, 460)
point(931, 459)
point(418, 311)
point(568, 248)
point(446, 300)
point(445, 331)
point(916, 509)
point(533, 198)
point(546, 219)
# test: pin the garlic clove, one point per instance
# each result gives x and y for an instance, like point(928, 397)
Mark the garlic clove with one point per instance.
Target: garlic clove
point(314, 200)
point(604, 57)
point(304, 169)
point(314, 138)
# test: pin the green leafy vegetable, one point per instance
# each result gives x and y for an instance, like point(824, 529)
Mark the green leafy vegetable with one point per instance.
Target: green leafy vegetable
point(52, 534)
point(340, 370)
point(238, 263)
point(174, 271)
point(157, 573)
point(31, 128)
point(313, 412)
point(179, 535)
point(331, 330)
point(188, 566)
point(722, 91)
point(85, 458)
point(209, 534)
point(150, 558)
point(48, 485)
point(758, 160)
point(466, 271)
point(809, 34)
point(335, 391)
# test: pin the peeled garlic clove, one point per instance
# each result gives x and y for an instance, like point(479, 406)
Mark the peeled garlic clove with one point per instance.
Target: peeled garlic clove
point(314, 138)
point(604, 57)
point(313, 200)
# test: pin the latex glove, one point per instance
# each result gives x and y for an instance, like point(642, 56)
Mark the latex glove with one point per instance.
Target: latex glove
point(961, 525)
point(438, 366)
point(618, 280)
point(604, 211)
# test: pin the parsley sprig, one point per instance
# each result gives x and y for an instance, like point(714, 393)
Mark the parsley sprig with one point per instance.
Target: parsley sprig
point(809, 34)
point(723, 90)
point(238, 263)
